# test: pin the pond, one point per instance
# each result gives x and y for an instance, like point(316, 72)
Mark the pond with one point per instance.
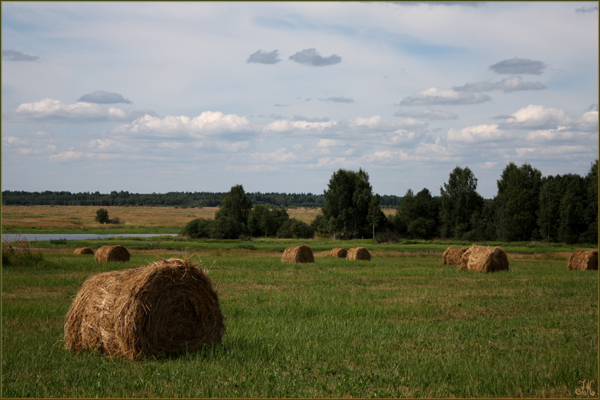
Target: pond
point(83, 236)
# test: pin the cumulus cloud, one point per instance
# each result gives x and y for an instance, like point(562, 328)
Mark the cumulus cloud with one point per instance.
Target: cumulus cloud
point(518, 66)
point(264, 57)
point(426, 113)
point(538, 117)
point(278, 156)
point(55, 110)
point(208, 123)
point(311, 57)
point(479, 133)
point(561, 133)
point(33, 143)
point(102, 97)
point(340, 99)
point(66, 156)
point(511, 84)
point(14, 55)
point(435, 96)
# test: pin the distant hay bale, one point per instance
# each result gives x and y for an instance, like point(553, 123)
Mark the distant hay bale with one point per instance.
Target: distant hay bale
point(156, 310)
point(584, 260)
point(112, 253)
point(298, 254)
point(83, 250)
point(484, 259)
point(358, 253)
point(452, 255)
point(338, 253)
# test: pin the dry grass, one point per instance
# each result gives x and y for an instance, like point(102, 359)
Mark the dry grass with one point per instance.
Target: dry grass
point(83, 250)
point(81, 217)
point(157, 310)
point(484, 259)
point(584, 260)
point(452, 255)
point(359, 253)
point(112, 253)
point(298, 254)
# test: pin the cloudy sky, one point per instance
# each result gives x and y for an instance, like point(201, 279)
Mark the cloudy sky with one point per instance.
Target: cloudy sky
point(200, 96)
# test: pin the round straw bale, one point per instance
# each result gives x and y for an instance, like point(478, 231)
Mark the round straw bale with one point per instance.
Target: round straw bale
point(156, 310)
point(452, 255)
point(83, 250)
point(486, 259)
point(298, 254)
point(463, 264)
point(112, 253)
point(584, 260)
point(358, 253)
point(338, 253)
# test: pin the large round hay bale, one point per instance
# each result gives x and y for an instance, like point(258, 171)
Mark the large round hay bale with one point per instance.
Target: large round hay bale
point(463, 264)
point(452, 255)
point(485, 259)
point(112, 253)
point(338, 253)
point(584, 260)
point(156, 310)
point(358, 253)
point(298, 254)
point(83, 250)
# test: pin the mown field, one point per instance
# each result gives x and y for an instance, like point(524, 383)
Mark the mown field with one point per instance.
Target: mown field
point(400, 325)
point(81, 219)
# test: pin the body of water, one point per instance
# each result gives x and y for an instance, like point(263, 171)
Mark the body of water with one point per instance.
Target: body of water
point(83, 236)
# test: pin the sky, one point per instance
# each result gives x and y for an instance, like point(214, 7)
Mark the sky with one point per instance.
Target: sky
point(277, 96)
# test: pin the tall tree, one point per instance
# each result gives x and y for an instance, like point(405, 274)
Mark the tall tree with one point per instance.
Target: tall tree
point(459, 200)
point(517, 202)
point(347, 200)
point(591, 214)
point(419, 213)
point(376, 217)
point(236, 205)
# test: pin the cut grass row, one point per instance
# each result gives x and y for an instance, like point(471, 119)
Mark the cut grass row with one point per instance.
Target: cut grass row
point(397, 326)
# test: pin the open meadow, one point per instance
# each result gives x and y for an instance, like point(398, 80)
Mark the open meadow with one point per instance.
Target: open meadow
point(400, 325)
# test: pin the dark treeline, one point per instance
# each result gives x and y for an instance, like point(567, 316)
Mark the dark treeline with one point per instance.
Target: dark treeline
point(180, 199)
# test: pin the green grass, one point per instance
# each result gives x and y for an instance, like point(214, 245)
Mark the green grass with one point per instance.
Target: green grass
point(397, 326)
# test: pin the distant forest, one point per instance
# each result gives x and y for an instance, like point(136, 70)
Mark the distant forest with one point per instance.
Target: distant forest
point(179, 199)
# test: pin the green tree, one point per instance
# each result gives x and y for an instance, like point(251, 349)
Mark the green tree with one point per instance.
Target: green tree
point(263, 221)
point(294, 228)
point(591, 213)
point(459, 200)
point(236, 205)
point(198, 228)
point(376, 217)
point(347, 200)
point(517, 202)
point(102, 216)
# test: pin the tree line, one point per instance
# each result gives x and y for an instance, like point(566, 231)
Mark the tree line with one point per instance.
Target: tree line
point(177, 199)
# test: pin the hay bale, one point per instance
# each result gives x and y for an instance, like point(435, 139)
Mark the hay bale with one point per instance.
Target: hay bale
point(452, 255)
point(338, 253)
point(463, 264)
point(484, 259)
point(358, 253)
point(112, 253)
point(298, 254)
point(584, 260)
point(83, 250)
point(156, 310)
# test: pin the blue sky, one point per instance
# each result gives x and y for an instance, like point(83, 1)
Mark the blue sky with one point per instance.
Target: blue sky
point(200, 96)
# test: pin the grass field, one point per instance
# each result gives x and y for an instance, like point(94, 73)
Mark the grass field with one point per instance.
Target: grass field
point(401, 325)
point(81, 219)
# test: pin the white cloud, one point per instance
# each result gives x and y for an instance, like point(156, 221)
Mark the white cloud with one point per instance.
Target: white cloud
point(55, 110)
point(433, 96)
point(538, 117)
point(330, 143)
point(32, 143)
point(278, 156)
point(479, 133)
point(208, 123)
point(70, 155)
